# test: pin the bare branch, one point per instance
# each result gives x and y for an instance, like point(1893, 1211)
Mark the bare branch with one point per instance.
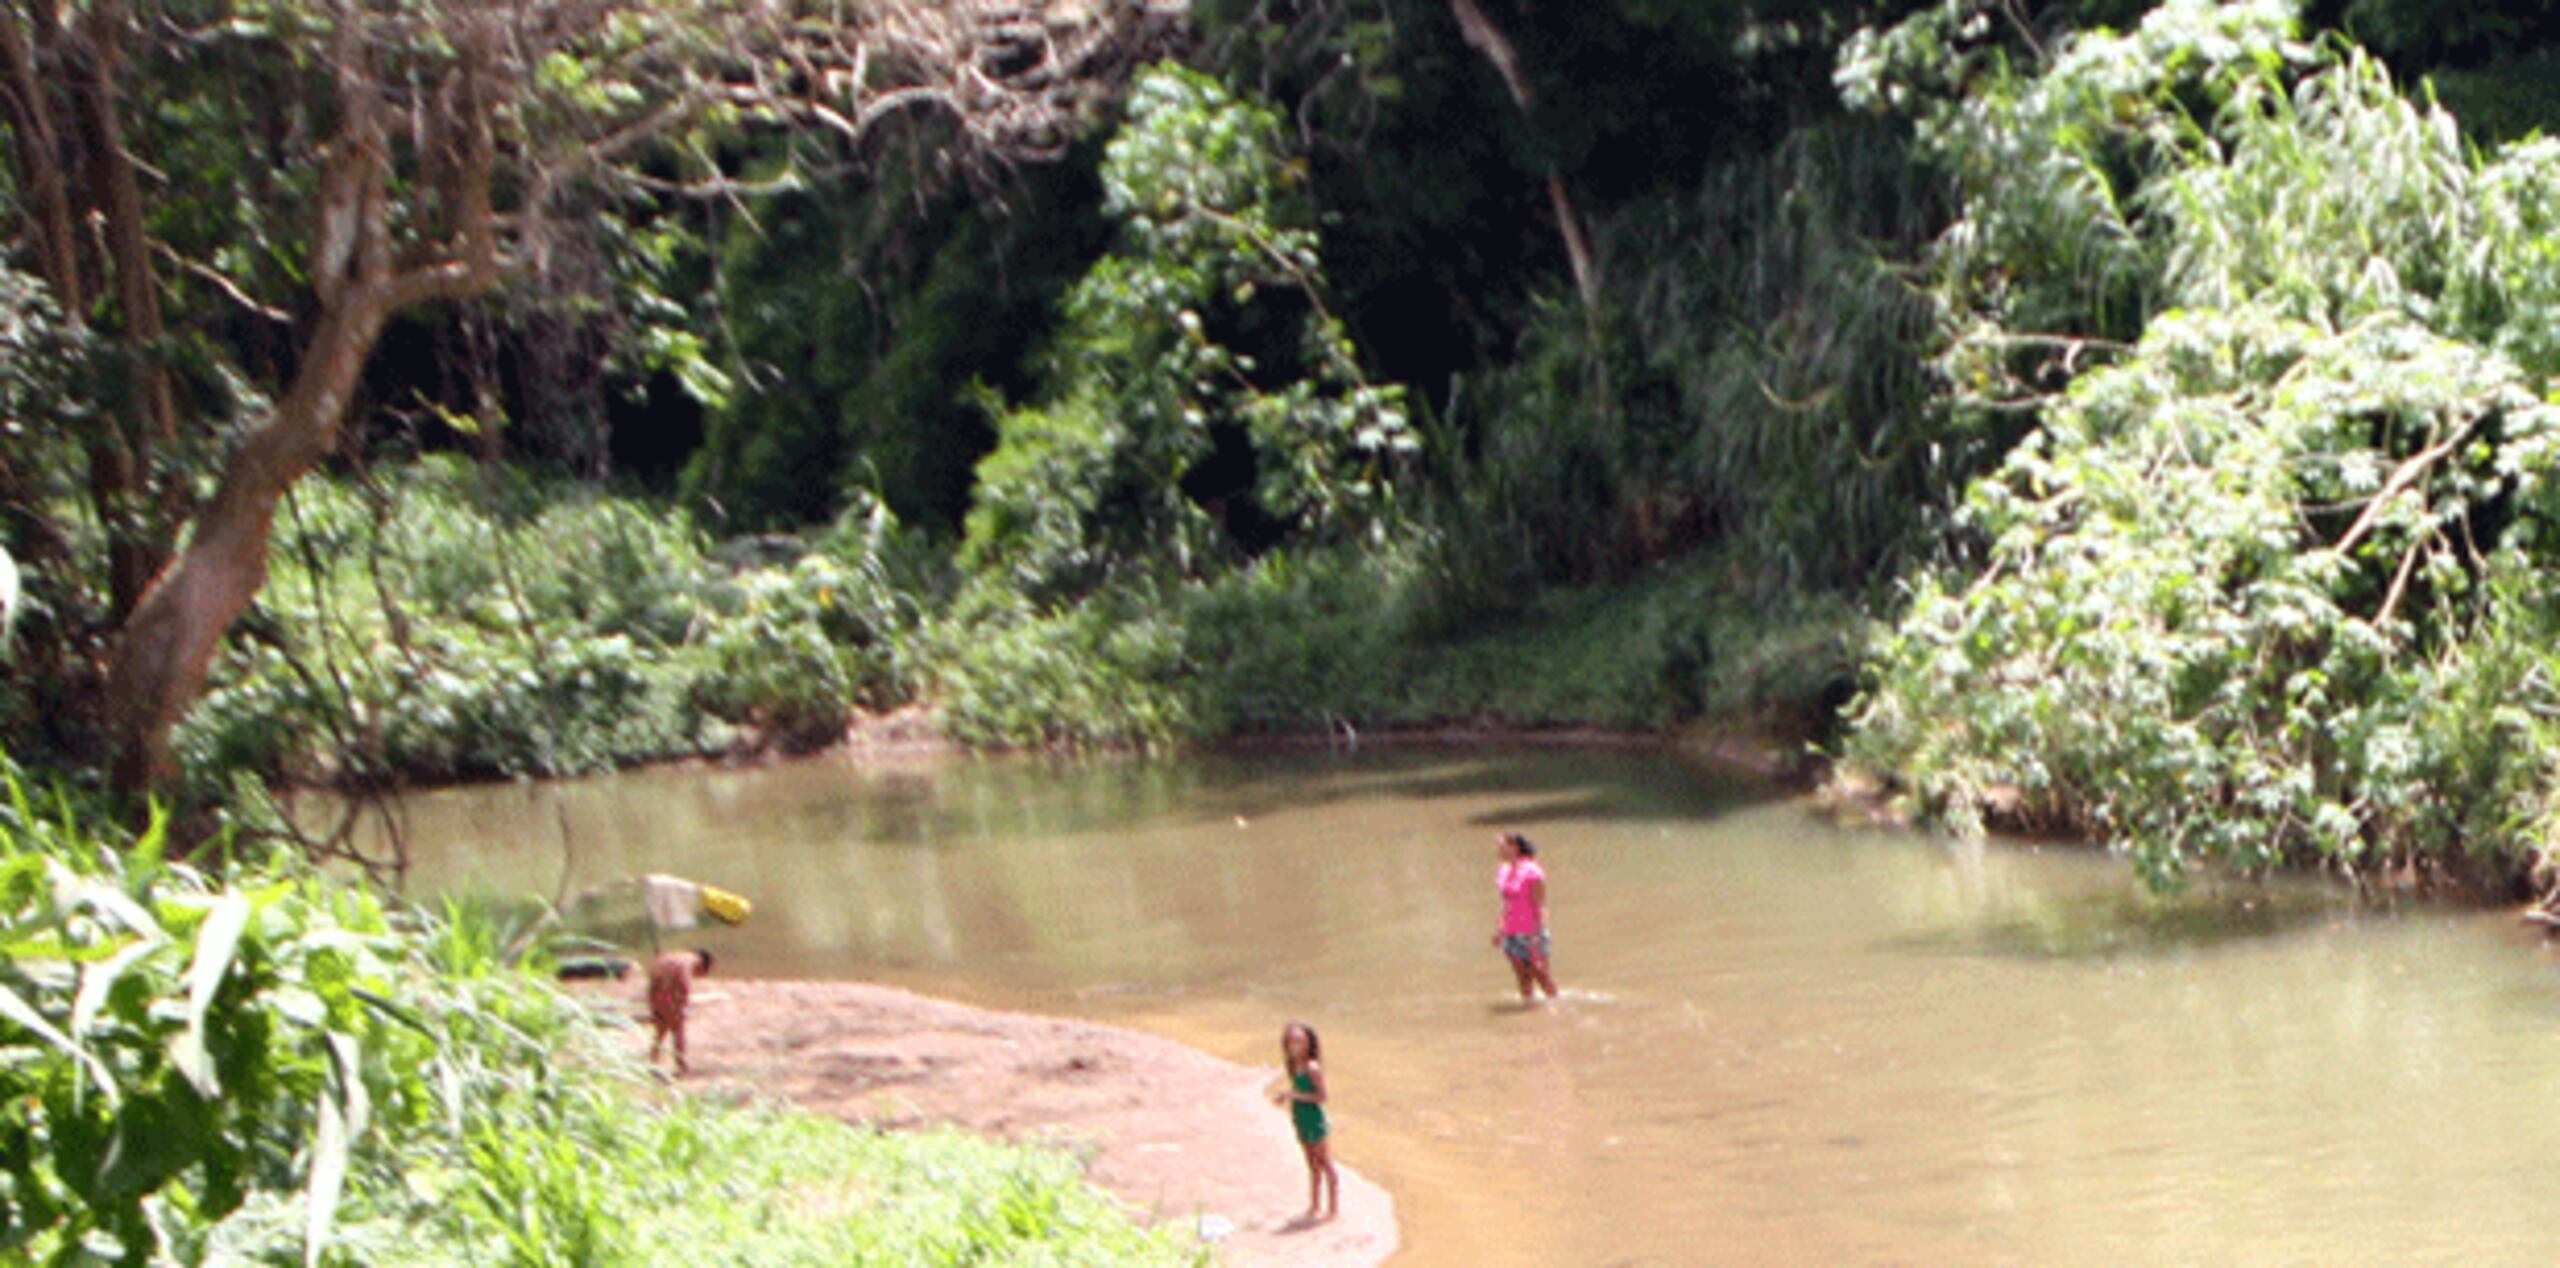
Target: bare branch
point(222, 283)
point(2401, 478)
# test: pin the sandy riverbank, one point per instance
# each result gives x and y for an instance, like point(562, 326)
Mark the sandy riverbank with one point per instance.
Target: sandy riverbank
point(1178, 1134)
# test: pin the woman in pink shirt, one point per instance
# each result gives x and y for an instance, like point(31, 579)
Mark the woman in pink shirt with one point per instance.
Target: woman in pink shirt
point(1522, 935)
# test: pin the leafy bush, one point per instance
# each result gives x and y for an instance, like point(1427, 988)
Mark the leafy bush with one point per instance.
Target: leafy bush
point(1299, 641)
point(1197, 366)
point(805, 648)
point(1317, 640)
point(2254, 565)
point(1671, 646)
point(451, 622)
point(1107, 671)
point(182, 1043)
point(446, 622)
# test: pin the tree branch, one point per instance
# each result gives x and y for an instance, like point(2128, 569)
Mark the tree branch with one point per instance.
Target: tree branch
point(2401, 478)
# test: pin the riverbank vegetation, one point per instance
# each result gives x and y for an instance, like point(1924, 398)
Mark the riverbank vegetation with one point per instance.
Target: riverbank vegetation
point(249, 1062)
point(2129, 420)
point(2138, 410)
point(2268, 583)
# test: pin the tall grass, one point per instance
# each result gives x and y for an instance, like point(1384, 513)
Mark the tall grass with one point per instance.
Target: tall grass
point(1342, 640)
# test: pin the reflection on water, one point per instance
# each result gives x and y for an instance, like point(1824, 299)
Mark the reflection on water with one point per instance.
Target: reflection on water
point(1780, 1041)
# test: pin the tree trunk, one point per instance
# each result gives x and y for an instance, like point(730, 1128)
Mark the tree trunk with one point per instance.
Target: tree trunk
point(45, 191)
point(136, 498)
point(45, 188)
point(135, 504)
point(1484, 37)
point(169, 644)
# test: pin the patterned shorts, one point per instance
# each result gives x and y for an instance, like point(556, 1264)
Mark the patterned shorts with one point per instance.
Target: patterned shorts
point(1527, 948)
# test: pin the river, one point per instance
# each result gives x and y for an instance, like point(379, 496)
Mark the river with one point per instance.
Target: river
point(1781, 1040)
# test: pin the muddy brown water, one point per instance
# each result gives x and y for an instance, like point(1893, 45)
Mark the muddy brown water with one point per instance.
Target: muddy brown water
point(1781, 1041)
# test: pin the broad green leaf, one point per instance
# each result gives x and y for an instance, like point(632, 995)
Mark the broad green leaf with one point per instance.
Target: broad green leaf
point(20, 1011)
point(72, 891)
point(216, 943)
point(328, 1176)
point(344, 1110)
point(101, 977)
point(143, 858)
point(346, 1060)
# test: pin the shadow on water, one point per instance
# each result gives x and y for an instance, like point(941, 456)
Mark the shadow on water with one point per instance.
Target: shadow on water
point(978, 801)
point(1582, 785)
point(2130, 924)
point(1579, 808)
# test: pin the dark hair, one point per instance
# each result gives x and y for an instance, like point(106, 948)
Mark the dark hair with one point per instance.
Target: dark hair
point(704, 954)
point(1315, 1046)
point(1520, 843)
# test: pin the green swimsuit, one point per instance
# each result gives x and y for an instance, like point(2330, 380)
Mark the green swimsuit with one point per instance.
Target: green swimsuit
point(1307, 1115)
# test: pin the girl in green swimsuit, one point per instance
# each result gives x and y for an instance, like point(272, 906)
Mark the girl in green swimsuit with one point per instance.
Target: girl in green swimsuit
point(1305, 1099)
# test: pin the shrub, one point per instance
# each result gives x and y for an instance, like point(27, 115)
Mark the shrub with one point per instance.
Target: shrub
point(2252, 565)
point(803, 649)
point(1107, 671)
point(182, 1042)
point(443, 623)
point(1202, 403)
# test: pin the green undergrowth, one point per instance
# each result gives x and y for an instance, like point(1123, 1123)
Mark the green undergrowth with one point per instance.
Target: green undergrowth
point(260, 1063)
point(768, 1188)
point(443, 621)
point(2270, 584)
point(1318, 642)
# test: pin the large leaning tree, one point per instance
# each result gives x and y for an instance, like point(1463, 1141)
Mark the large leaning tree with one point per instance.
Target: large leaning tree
point(413, 152)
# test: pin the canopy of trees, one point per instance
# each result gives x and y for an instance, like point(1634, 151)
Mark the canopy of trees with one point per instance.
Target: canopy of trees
point(328, 167)
point(1362, 327)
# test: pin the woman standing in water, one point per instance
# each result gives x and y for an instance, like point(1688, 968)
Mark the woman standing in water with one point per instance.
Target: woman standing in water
point(1522, 935)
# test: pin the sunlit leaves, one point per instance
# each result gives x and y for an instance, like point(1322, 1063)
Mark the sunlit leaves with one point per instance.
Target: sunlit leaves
point(2264, 587)
point(1210, 318)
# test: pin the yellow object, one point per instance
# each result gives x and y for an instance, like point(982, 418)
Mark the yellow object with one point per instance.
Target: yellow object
point(725, 907)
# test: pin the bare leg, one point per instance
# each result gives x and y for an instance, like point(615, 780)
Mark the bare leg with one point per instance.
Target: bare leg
point(1316, 1166)
point(1545, 975)
point(1520, 969)
point(680, 1039)
point(1320, 1156)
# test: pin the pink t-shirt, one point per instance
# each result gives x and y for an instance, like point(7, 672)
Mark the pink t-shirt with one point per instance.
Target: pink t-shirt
point(1520, 913)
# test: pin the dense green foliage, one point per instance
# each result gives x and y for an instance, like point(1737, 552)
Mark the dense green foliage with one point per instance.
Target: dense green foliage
point(2267, 585)
point(1197, 366)
point(1273, 404)
point(266, 1065)
point(443, 621)
point(2153, 407)
point(859, 327)
point(1344, 642)
point(1753, 385)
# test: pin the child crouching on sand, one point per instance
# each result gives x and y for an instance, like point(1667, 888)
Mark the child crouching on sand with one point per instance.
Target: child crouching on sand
point(1305, 1099)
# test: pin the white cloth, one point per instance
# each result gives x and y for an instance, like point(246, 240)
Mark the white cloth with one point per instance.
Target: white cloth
point(673, 902)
